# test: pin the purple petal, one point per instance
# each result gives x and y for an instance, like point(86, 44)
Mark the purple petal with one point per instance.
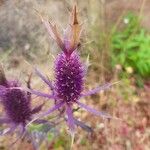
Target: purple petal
point(98, 89)
point(48, 112)
point(37, 109)
point(70, 119)
point(4, 120)
point(49, 83)
point(98, 113)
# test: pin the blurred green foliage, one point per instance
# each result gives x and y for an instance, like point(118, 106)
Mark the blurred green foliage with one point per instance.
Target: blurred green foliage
point(131, 47)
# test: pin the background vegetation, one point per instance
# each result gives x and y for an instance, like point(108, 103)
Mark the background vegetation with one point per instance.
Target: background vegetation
point(116, 46)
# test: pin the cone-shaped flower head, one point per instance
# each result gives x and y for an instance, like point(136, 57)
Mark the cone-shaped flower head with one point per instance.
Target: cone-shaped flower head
point(69, 73)
point(16, 104)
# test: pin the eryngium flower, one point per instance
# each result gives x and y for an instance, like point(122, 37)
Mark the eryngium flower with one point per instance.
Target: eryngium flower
point(69, 74)
point(16, 104)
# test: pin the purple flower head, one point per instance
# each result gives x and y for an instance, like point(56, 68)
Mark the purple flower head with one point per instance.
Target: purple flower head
point(16, 104)
point(69, 74)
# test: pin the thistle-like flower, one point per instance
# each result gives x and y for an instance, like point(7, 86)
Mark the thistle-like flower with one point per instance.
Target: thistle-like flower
point(16, 104)
point(68, 86)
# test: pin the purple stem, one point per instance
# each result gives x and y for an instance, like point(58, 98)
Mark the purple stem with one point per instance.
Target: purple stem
point(70, 118)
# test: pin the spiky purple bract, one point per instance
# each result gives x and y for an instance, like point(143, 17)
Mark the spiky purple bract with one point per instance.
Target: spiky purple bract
point(69, 73)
